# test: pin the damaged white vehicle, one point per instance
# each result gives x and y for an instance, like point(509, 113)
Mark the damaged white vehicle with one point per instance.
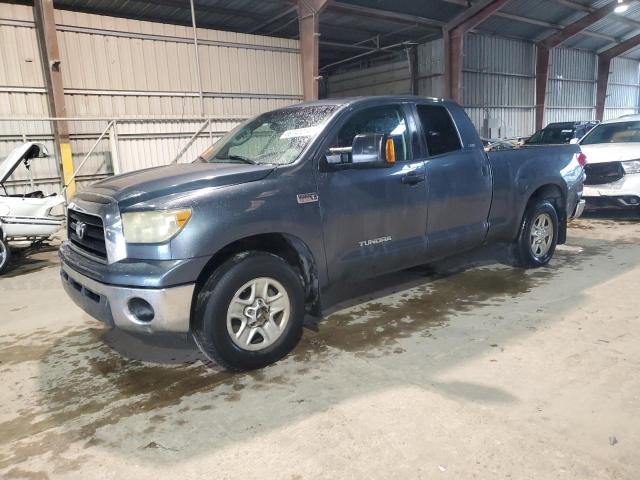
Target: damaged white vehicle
point(27, 220)
point(613, 163)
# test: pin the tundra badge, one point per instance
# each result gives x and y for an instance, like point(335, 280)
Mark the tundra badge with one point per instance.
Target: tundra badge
point(374, 241)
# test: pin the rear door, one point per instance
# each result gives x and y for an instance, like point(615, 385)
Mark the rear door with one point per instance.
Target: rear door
point(374, 218)
point(459, 185)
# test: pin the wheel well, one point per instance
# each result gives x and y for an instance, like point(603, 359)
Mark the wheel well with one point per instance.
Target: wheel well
point(554, 194)
point(289, 248)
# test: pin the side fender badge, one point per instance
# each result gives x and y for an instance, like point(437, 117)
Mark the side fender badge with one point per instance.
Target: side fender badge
point(307, 198)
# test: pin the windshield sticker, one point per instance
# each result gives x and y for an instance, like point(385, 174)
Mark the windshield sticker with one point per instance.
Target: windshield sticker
point(300, 132)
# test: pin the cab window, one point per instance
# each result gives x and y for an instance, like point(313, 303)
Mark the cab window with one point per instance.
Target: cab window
point(440, 132)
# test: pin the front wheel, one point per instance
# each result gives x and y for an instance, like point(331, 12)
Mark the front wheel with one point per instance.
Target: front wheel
point(5, 256)
point(538, 236)
point(250, 312)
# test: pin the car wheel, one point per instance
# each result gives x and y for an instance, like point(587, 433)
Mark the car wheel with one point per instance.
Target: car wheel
point(250, 312)
point(538, 236)
point(5, 256)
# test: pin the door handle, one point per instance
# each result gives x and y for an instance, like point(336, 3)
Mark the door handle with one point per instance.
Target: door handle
point(412, 178)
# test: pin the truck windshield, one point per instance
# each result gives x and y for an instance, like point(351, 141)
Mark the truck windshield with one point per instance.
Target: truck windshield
point(554, 135)
point(277, 137)
point(619, 132)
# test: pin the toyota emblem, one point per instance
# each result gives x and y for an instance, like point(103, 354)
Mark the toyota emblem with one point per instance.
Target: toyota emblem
point(81, 228)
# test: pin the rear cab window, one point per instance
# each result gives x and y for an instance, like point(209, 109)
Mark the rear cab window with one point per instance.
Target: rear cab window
point(440, 133)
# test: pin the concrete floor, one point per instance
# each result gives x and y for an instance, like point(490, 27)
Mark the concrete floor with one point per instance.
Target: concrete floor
point(469, 369)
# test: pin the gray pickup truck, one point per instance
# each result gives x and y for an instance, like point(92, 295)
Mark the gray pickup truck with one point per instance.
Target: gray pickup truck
point(239, 245)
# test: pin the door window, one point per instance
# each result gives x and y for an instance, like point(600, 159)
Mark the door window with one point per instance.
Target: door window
point(388, 119)
point(439, 130)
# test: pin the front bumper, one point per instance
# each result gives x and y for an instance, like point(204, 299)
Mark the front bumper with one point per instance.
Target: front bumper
point(623, 193)
point(113, 305)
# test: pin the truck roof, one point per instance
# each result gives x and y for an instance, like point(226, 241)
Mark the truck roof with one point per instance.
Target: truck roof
point(571, 124)
point(379, 98)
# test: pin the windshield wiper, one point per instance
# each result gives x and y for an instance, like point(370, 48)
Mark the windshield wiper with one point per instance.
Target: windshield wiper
point(240, 158)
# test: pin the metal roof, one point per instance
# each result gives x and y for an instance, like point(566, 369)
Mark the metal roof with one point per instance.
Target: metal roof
point(345, 32)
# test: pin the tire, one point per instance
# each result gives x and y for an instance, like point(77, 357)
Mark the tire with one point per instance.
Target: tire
point(232, 304)
point(5, 256)
point(538, 237)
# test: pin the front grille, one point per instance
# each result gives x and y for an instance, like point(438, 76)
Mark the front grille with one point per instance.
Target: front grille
point(93, 239)
point(601, 173)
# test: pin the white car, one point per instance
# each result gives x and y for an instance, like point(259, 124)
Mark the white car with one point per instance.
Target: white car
point(29, 219)
point(613, 163)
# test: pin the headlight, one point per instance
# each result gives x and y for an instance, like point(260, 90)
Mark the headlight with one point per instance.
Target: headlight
point(55, 211)
point(154, 226)
point(631, 166)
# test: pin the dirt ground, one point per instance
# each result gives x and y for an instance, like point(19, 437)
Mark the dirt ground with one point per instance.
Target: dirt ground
point(466, 369)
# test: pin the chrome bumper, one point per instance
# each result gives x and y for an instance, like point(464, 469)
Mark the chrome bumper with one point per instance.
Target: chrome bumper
point(111, 304)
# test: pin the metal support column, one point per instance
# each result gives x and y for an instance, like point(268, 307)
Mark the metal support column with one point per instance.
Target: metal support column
point(604, 65)
point(198, 70)
point(542, 73)
point(554, 40)
point(454, 33)
point(309, 26)
point(51, 66)
point(412, 60)
point(456, 54)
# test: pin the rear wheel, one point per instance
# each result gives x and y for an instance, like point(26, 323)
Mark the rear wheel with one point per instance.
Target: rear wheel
point(250, 312)
point(5, 256)
point(538, 236)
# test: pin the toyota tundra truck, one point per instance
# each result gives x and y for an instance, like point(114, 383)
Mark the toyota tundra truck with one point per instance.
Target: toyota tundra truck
point(238, 246)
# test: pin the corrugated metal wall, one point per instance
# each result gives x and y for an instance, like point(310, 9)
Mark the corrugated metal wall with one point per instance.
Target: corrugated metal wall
point(392, 78)
point(22, 93)
point(386, 79)
point(624, 88)
point(498, 85)
point(128, 67)
point(431, 69)
point(571, 88)
point(120, 68)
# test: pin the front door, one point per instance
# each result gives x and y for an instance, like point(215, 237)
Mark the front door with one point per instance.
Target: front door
point(373, 218)
point(459, 185)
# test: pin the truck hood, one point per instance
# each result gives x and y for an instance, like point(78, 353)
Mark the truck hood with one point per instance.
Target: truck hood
point(142, 185)
point(611, 152)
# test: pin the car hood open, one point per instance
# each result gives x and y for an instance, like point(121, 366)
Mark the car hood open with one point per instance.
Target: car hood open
point(19, 154)
point(142, 185)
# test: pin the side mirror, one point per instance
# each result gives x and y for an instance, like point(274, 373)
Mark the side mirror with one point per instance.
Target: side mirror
point(368, 150)
point(574, 141)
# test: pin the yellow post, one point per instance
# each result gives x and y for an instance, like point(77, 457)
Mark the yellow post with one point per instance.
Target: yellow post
point(67, 169)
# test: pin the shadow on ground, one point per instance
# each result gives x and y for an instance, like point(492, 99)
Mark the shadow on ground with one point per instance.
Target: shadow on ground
point(154, 393)
point(618, 215)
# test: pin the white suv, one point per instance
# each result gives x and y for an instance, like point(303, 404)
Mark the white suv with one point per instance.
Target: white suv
point(613, 163)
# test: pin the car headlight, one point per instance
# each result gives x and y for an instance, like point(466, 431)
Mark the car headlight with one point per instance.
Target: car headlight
point(55, 211)
point(155, 226)
point(631, 166)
